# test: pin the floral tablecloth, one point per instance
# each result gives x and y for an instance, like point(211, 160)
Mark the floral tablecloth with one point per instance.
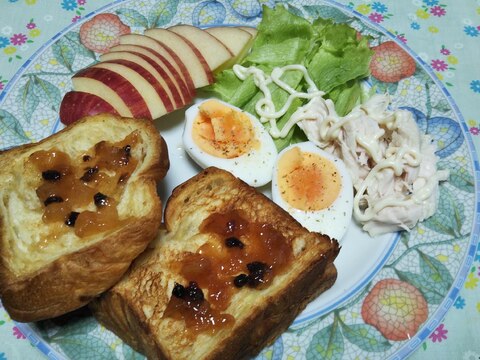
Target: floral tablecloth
point(444, 33)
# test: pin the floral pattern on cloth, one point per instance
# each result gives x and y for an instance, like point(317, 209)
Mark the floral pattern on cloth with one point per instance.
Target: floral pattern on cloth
point(10, 43)
point(74, 6)
point(19, 41)
point(427, 18)
point(18, 344)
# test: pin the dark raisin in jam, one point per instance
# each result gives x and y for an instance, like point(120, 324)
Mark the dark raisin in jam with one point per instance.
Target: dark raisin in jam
point(241, 280)
point(194, 293)
point(89, 173)
point(52, 199)
point(257, 271)
point(178, 291)
point(257, 267)
point(234, 242)
point(51, 175)
point(100, 199)
point(72, 218)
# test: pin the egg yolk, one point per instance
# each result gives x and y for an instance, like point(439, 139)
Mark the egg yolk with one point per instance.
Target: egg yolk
point(307, 181)
point(222, 131)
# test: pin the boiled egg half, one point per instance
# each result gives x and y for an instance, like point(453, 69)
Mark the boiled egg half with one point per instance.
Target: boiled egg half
point(221, 135)
point(315, 188)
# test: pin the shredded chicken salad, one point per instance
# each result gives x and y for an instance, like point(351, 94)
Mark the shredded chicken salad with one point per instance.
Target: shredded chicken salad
point(311, 74)
point(392, 164)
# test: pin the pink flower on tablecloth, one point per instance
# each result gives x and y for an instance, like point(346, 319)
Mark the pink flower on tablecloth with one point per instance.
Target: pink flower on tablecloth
point(475, 131)
point(395, 308)
point(76, 18)
point(102, 32)
point(31, 25)
point(437, 11)
point(17, 333)
point(439, 65)
point(439, 334)
point(444, 51)
point(402, 38)
point(1, 86)
point(81, 2)
point(376, 17)
point(18, 39)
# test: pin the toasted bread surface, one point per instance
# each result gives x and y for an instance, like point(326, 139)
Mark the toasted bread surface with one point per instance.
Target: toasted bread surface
point(135, 308)
point(46, 269)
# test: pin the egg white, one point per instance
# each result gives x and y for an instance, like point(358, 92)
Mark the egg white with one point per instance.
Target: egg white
point(254, 167)
point(332, 221)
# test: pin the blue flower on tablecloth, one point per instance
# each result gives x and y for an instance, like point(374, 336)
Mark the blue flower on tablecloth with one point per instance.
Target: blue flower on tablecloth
point(430, 2)
point(415, 26)
point(69, 4)
point(2, 355)
point(459, 303)
point(475, 86)
point(471, 31)
point(12, 1)
point(4, 41)
point(379, 7)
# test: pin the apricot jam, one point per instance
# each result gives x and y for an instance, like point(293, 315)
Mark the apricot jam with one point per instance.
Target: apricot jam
point(188, 304)
point(81, 193)
point(239, 254)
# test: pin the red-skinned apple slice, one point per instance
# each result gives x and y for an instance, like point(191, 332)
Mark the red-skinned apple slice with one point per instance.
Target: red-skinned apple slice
point(76, 104)
point(175, 83)
point(249, 29)
point(215, 53)
point(162, 83)
point(114, 89)
point(192, 58)
point(172, 67)
point(168, 57)
point(153, 94)
point(237, 40)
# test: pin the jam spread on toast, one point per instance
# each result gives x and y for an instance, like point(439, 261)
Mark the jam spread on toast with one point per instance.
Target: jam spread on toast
point(239, 254)
point(81, 193)
point(188, 303)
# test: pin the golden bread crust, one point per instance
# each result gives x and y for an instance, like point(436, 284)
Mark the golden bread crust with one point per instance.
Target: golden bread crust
point(42, 282)
point(134, 307)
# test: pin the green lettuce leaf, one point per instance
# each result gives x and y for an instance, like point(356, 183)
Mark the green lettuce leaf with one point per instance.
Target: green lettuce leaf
point(331, 69)
point(335, 57)
point(278, 25)
point(346, 96)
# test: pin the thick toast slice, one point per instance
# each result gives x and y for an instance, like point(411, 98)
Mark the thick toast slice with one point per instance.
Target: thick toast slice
point(75, 210)
point(227, 276)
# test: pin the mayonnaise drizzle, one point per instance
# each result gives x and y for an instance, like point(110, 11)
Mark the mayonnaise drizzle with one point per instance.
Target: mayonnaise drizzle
point(265, 107)
point(381, 165)
point(322, 125)
point(395, 160)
